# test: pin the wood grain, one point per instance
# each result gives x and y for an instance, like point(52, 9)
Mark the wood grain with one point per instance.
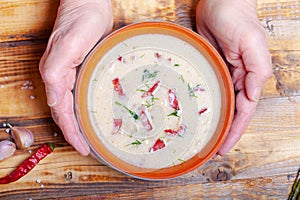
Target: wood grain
point(261, 166)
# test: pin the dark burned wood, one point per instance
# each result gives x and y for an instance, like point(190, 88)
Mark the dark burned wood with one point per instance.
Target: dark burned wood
point(262, 165)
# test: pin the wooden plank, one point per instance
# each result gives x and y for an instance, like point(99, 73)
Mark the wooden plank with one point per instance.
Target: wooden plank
point(26, 19)
point(261, 166)
point(273, 152)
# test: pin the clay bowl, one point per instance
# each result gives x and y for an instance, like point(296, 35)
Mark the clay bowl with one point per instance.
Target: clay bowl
point(119, 58)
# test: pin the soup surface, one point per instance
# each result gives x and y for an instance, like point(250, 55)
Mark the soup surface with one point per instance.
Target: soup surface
point(154, 101)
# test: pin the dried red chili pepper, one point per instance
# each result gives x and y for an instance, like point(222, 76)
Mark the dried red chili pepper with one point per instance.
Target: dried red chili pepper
point(159, 144)
point(28, 164)
point(152, 90)
point(117, 86)
point(173, 100)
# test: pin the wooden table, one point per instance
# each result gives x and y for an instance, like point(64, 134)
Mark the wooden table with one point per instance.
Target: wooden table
point(261, 166)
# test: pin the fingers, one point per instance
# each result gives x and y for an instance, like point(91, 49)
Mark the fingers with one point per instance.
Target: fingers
point(77, 29)
point(257, 62)
point(244, 112)
point(63, 115)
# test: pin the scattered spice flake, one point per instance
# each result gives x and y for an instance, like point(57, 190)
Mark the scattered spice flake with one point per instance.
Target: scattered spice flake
point(117, 86)
point(55, 134)
point(159, 144)
point(203, 110)
point(117, 123)
point(149, 75)
point(152, 90)
point(32, 97)
point(173, 100)
point(145, 118)
point(133, 114)
point(38, 180)
point(178, 131)
point(135, 143)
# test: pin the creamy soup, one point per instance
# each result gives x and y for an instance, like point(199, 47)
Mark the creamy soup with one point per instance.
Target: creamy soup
point(153, 100)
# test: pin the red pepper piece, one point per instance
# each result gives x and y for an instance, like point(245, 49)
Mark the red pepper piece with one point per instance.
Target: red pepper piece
point(203, 110)
point(157, 55)
point(152, 90)
point(117, 123)
point(28, 164)
point(198, 88)
point(178, 131)
point(117, 86)
point(145, 118)
point(121, 59)
point(173, 100)
point(159, 144)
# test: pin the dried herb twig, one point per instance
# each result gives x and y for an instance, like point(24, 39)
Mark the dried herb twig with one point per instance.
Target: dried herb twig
point(295, 193)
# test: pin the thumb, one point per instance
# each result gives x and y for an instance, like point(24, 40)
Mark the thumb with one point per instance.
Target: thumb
point(58, 66)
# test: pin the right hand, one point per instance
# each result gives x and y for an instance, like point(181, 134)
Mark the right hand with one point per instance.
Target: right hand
point(78, 27)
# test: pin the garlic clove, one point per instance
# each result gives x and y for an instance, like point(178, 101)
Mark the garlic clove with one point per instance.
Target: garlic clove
point(21, 136)
point(7, 149)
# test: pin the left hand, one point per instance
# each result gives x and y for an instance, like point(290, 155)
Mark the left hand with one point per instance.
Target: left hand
point(233, 29)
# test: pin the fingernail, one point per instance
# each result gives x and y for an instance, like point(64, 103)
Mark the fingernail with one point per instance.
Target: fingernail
point(51, 98)
point(256, 94)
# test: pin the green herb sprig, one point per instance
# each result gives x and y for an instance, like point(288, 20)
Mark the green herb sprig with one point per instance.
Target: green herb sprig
point(132, 113)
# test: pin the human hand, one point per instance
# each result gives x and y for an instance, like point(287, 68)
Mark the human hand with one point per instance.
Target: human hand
point(78, 27)
point(233, 29)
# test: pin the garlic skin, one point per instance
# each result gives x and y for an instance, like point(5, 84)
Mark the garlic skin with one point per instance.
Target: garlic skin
point(21, 136)
point(7, 149)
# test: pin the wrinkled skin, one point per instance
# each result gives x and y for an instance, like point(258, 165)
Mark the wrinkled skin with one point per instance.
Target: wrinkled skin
point(78, 27)
point(233, 29)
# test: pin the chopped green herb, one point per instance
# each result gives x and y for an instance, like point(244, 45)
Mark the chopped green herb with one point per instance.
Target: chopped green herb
point(181, 78)
point(181, 160)
point(149, 75)
point(142, 55)
point(141, 90)
point(135, 143)
point(148, 105)
point(176, 65)
point(154, 99)
point(175, 114)
point(191, 91)
point(93, 111)
point(133, 114)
